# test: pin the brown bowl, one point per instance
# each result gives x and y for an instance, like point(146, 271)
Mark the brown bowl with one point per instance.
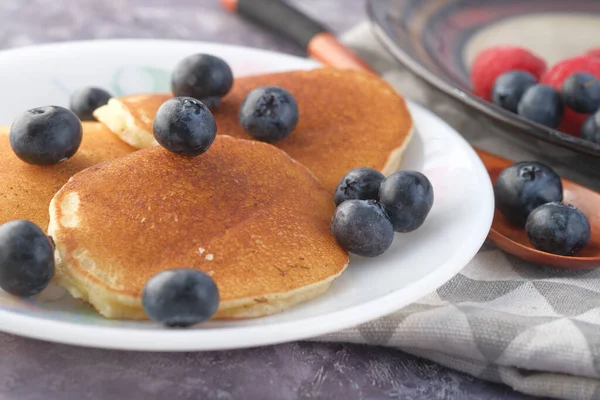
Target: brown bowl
point(513, 240)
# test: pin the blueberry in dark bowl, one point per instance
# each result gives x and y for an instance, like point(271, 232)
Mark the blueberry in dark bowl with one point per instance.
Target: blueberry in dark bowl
point(407, 198)
point(581, 92)
point(361, 227)
point(185, 126)
point(522, 187)
point(558, 229)
point(86, 100)
point(26, 258)
point(269, 113)
point(180, 297)
point(591, 128)
point(46, 135)
point(510, 87)
point(542, 104)
point(359, 184)
point(201, 76)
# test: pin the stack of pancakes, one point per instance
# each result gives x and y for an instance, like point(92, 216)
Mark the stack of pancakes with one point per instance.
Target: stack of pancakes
point(254, 216)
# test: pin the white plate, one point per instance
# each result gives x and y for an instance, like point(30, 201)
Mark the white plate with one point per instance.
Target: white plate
point(417, 264)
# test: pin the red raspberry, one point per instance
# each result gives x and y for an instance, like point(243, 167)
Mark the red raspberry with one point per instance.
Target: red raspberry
point(563, 69)
point(594, 53)
point(572, 121)
point(493, 62)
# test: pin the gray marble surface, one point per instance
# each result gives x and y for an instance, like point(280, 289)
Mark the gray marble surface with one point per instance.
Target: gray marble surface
point(31, 369)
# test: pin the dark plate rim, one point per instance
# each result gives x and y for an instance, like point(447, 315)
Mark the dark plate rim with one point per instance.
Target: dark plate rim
point(526, 127)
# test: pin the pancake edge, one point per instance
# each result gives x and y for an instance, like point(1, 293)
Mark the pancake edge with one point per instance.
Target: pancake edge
point(117, 117)
point(396, 156)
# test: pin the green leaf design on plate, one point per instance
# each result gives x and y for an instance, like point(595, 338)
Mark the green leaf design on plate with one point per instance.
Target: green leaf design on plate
point(160, 79)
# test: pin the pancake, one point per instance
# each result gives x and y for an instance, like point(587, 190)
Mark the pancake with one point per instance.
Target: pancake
point(348, 119)
point(26, 190)
point(244, 212)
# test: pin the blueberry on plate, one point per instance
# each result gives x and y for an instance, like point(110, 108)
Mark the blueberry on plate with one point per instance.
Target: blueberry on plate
point(180, 297)
point(211, 102)
point(581, 92)
point(269, 113)
point(185, 126)
point(510, 87)
point(542, 104)
point(86, 100)
point(361, 227)
point(201, 76)
point(26, 258)
point(407, 198)
point(591, 128)
point(558, 229)
point(359, 184)
point(522, 187)
point(46, 135)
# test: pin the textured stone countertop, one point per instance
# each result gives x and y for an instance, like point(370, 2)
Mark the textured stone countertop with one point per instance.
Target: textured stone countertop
point(31, 369)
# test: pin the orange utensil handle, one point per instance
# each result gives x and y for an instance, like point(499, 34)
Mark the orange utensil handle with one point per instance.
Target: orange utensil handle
point(300, 29)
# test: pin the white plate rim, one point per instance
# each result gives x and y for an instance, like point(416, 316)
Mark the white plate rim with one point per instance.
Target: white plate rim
point(216, 339)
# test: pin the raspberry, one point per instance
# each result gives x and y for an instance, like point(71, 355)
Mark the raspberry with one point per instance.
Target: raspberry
point(594, 53)
point(572, 121)
point(563, 69)
point(493, 62)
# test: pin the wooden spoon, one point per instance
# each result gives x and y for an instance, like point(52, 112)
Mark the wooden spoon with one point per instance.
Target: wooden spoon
point(513, 240)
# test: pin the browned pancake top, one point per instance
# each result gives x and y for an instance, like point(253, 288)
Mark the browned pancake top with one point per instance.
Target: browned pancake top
point(244, 212)
point(348, 119)
point(26, 190)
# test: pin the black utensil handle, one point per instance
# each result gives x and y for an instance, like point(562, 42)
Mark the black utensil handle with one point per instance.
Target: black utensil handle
point(281, 18)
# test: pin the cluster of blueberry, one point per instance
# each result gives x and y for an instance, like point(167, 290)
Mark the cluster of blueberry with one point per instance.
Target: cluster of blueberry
point(183, 125)
point(530, 195)
point(371, 207)
point(570, 103)
point(519, 92)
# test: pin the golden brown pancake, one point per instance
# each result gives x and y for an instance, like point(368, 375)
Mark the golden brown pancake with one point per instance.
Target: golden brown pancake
point(244, 212)
point(26, 190)
point(348, 119)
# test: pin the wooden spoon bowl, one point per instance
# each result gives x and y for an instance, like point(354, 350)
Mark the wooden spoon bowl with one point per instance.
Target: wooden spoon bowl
point(513, 240)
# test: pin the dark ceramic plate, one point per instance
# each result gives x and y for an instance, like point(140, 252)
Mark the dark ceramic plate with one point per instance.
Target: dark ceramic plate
point(438, 39)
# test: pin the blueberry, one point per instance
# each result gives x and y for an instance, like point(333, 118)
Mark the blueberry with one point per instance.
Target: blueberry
point(180, 297)
point(361, 227)
point(581, 92)
point(211, 102)
point(359, 184)
point(591, 128)
point(86, 100)
point(509, 88)
point(522, 187)
point(558, 228)
point(542, 104)
point(201, 76)
point(407, 198)
point(46, 135)
point(269, 113)
point(184, 126)
point(26, 258)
